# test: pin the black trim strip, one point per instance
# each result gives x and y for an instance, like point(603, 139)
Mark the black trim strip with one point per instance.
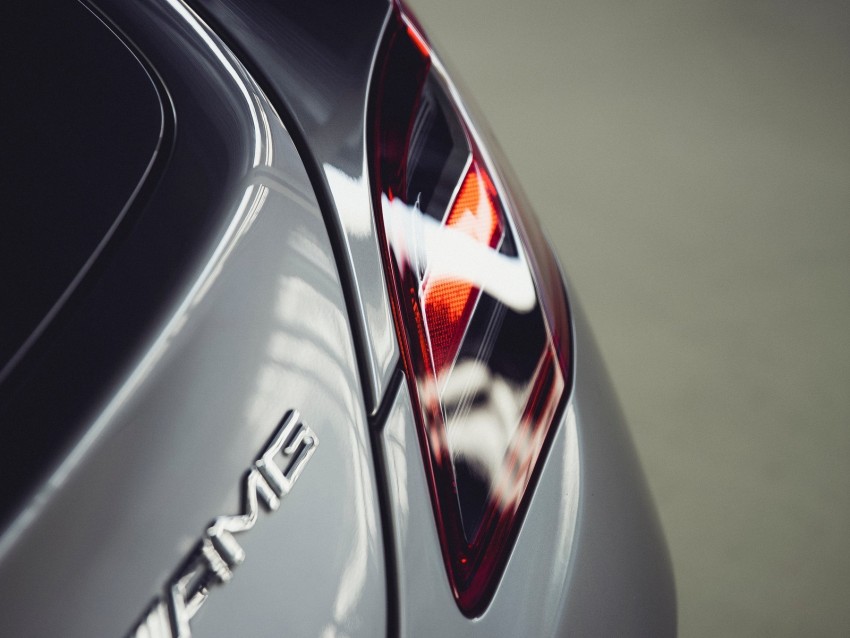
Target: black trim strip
point(376, 436)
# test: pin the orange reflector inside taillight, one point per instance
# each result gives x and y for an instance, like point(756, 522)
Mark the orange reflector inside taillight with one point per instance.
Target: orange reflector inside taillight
point(449, 301)
point(475, 211)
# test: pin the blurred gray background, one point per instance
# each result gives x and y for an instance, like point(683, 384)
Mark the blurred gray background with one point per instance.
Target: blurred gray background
point(692, 162)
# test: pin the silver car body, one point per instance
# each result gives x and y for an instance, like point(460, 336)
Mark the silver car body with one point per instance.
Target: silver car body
point(265, 324)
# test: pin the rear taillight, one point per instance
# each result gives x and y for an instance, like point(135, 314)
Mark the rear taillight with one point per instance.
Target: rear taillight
point(479, 308)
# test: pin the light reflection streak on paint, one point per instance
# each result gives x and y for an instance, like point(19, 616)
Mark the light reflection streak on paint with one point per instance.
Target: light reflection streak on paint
point(352, 202)
point(227, 61)
point(375, 325)
point(298, 344)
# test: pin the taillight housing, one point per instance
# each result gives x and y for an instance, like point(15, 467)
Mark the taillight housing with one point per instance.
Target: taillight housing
point(479, 308)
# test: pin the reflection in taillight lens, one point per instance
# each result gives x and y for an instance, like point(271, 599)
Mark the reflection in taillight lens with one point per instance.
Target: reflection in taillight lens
point(479, 308)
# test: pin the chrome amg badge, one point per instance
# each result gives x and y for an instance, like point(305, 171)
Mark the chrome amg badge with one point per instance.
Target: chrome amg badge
point(217, 553)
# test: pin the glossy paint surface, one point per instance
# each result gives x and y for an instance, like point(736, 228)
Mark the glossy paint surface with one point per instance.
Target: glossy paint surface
point(621, 578)
point(254, 325)
point(315, 60)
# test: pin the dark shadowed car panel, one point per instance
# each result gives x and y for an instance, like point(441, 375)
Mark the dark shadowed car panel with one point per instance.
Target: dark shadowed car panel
point(82, 122)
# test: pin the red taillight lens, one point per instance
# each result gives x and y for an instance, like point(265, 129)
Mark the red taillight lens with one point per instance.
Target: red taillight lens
point(479, 308)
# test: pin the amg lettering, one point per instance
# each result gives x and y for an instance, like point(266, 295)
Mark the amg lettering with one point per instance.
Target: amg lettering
point(218, 553)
